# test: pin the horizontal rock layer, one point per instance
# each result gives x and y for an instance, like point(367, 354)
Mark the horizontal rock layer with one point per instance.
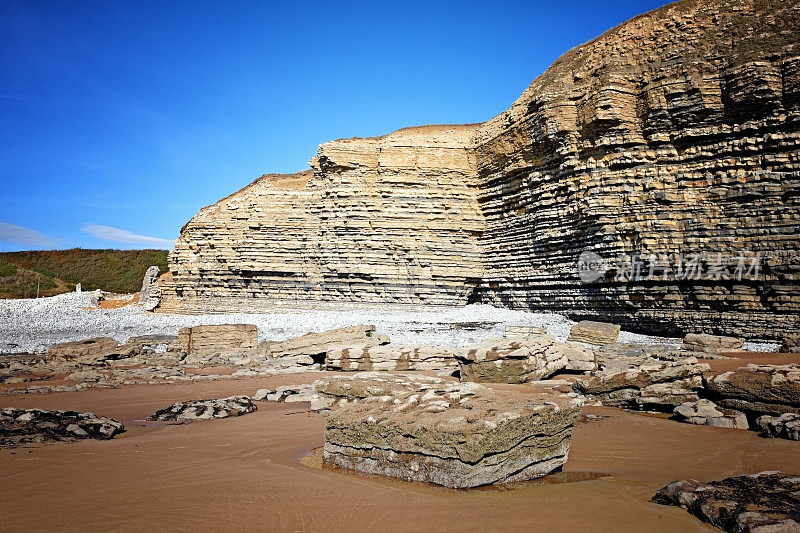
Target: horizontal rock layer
point(673, 138)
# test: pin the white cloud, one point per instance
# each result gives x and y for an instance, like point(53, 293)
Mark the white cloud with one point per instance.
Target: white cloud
point(26, 236)
point(109, 233)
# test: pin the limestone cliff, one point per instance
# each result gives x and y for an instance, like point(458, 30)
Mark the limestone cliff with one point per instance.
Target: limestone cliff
point(673, 136)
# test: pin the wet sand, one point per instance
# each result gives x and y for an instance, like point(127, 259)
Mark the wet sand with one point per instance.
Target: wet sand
point(247, 473)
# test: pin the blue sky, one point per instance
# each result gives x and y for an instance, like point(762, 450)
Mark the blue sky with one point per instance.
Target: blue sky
point(120, 120)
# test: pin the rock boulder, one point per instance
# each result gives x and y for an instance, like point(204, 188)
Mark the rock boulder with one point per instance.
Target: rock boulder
point(20, 426)
point(758, 389)
point(223, 338)
point(707, 413)
point(590, 332)
point(713, 344)
point(206, 409)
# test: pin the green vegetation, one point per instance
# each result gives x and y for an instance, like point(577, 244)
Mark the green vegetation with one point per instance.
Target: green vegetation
point(58, 271)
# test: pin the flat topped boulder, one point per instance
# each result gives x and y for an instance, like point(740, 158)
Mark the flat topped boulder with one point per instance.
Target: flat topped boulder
point(456, 435)
point(390, 357)
point(591, 332)
point(758, 389)
point(713, 344)
point(706, 413)
point(786, 426)
point(518, 359)
point(20, 426)
point(206, 409)
point(218, 338)
point(765, 502)
point(71, 351)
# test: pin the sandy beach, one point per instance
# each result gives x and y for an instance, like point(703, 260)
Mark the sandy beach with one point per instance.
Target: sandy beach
point(249, 473)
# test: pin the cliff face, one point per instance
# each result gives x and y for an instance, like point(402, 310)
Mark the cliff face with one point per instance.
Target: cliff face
point(670, 144)
point(385, 221)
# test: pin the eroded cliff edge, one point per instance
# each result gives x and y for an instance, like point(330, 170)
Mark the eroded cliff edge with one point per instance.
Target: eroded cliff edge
point(674, 134)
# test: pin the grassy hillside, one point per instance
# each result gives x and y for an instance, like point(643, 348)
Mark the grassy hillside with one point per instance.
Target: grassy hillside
point(58, 271)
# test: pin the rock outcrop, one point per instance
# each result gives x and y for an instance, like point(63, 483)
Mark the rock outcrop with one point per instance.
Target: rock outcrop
point(317, 345)
point(391, 357)
point(758, 389)
point(150, 295)
point(512, 359)
point(713, 344)
point(662, 154)
point(22, 426)
point(224, 338)
point(767, 501)
point(786, 426)
point(591, 332)
point(206, 409)
point(460, 435)
point(707, 413)
point(651, 383)
point(88, 348)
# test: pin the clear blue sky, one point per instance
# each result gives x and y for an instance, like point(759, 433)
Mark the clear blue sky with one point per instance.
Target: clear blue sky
point(120, 120)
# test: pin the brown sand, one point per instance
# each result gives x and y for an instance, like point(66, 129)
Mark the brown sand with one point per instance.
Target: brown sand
point(247, 473)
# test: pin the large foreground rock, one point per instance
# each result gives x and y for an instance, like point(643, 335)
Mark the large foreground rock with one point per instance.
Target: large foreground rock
point(391, 357)
point(223, 338)
point(768, 502)
point(786, 426)
point(461, 435)
point(713, 344)
point(520, 359)
point(758, 389)
point(651, 383)
point(594, 332)
point(707, 413)
point(20, 426)
point(205, 409)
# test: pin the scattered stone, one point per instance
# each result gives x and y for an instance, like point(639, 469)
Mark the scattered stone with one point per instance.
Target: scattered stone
point(224, 338)
point(151, 294)
point(458, 435)
point(707, 413)
point(758, 389)
point(763, 502)
point(206, 409)
point(391, 357)
point(651, 383)
point(713, 344)
point(88, 348)
point(20, 426)
point(597, 333)
point(786, 426)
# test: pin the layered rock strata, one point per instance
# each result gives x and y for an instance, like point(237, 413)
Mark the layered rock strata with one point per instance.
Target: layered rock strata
point(665, 151)
point(713, 344)
point(786, 426)
point(591, 332)
point(459, 436)
point(707, 413)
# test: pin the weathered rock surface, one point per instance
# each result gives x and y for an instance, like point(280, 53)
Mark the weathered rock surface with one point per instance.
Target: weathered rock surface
point(206, 409)
point(594, 332)
point(391, 357)
point(460, 435)
point(707, 413)
point(713, 344)
point(317, 345)
point(791, 343)
point(91, 348)
point(511, 359)
point(667, 147)
point(786, 426)
point(651, 383)
point(224, 338)
point(20, 426)
point(150, 296)
point(519, 331)
point(758, 389)
point(763, 502)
